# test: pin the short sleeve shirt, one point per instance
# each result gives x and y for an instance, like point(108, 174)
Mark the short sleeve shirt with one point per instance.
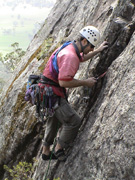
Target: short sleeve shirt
point(68, 64)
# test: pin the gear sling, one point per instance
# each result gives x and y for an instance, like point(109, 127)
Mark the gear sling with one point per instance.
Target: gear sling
point(39, 92)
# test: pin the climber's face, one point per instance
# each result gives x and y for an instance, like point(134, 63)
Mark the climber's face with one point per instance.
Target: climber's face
point(88, 47)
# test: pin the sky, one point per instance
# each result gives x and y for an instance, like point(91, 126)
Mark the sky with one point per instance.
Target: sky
point(20, 20)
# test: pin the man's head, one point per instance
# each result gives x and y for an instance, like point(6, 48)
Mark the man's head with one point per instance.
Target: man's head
point(92, 36)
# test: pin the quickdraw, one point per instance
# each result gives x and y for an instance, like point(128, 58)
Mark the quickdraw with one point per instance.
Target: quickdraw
point(41, 94)
point(101, 76)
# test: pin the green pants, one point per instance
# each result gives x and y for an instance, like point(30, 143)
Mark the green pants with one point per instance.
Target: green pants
point(69, 121)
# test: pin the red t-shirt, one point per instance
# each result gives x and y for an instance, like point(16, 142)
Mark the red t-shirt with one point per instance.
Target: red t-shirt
point(68, 64)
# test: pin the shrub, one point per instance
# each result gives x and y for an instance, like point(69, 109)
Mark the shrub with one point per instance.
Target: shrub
point(21, 171)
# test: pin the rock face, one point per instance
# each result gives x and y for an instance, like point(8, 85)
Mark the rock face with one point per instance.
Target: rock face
point(4, 75)
point(105, 146)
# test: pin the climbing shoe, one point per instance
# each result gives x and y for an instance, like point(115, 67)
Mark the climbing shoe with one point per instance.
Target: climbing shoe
point(48, 157)
point(60, 155)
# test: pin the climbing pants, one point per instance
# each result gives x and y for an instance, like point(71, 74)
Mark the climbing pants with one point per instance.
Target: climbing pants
point(68, 119)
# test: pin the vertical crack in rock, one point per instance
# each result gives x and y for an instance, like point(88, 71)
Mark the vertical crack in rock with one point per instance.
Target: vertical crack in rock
point(118, 37)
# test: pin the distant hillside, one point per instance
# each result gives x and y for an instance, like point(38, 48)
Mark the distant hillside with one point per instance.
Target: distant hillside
point(19, 24)
point(21, 21)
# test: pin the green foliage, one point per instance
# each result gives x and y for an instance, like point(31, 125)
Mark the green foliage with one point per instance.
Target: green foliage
point(21, 171)
point(45, 48)
point(13, 58)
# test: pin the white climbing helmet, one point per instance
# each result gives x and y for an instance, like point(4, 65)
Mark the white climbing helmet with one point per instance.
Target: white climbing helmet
point(92, 34)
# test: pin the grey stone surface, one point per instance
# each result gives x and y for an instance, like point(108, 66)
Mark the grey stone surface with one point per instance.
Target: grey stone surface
point(105, 146)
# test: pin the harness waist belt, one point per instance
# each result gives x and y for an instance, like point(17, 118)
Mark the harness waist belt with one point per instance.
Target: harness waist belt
point(46, 80)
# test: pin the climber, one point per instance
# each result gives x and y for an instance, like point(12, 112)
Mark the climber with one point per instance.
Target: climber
point(68, 60)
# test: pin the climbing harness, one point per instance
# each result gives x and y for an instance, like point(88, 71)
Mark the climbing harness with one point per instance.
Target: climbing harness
point(41, 95)
point(39, 91)
point(54, 70)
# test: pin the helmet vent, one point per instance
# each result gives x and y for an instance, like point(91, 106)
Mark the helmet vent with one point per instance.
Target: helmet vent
point(92, 34)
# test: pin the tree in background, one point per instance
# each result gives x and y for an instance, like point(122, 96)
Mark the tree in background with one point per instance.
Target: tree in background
point(13, 58)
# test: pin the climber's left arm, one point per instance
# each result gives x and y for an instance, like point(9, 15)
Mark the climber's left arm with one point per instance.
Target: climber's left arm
point(96, 51)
